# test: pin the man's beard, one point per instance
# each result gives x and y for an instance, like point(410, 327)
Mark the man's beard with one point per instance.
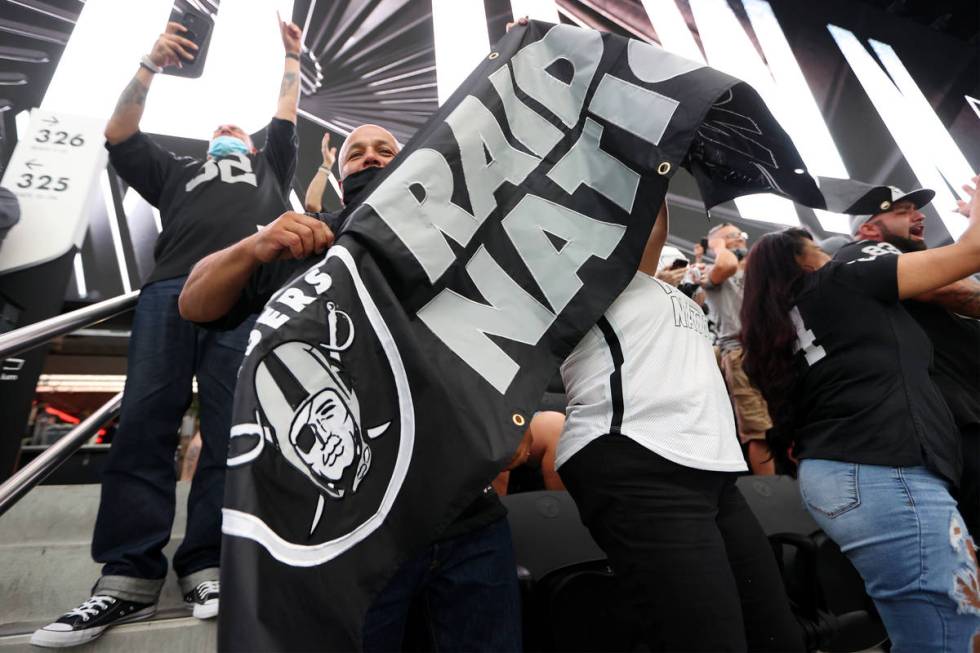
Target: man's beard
point(900, 242)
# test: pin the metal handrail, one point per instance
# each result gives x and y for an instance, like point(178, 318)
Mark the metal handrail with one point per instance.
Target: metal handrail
point(33, 335)
point(54, 456)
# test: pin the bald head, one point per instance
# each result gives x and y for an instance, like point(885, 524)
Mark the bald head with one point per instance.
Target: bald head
point(368, 146)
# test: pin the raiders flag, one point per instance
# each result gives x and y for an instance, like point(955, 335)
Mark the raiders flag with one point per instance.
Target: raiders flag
point(385, 386)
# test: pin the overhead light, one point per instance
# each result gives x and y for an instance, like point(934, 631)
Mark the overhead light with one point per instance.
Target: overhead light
point(8, 53)
point(80, 276)
point(22, 121)
point(13, 79)
point(545, 10)
point(946, 154)
point(907, 123)
point(85, 383)
point(117, 245)
point(672, 29)
point(459, 28)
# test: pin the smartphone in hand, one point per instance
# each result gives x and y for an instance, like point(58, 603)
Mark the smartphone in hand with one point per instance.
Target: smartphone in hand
point(199, 27)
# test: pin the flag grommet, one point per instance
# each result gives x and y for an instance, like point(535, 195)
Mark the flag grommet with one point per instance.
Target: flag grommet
point(493, 55)
point(663, 168)
point(518, 419)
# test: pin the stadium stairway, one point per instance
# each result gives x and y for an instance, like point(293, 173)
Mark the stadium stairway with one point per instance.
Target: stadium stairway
point(46, 569)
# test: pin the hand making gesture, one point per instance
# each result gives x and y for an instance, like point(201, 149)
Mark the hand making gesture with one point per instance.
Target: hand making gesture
point(329, 153)
point(292, 36)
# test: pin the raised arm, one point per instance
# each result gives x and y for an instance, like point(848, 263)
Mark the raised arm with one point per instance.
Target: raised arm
point(726, 263)
point(963, 296)
point(314, 192)
point(169, 49)
point(217, 281)
point(292, 41)
point(655, 243)
point(929, 270)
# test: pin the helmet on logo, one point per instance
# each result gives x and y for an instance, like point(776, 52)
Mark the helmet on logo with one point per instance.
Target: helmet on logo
point(314, 416)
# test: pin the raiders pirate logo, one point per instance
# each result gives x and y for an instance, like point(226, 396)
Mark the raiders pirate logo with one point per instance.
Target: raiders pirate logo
point(340, 445)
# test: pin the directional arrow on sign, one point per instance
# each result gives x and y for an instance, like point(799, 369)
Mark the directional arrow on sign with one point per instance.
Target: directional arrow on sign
point(52, 120)
point(33, 164)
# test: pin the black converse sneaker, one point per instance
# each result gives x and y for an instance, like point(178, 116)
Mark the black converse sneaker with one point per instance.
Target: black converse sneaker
point(89, 620)
point(204, 599)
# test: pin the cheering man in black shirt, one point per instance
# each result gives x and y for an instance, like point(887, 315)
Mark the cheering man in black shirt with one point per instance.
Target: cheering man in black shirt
point(846, 371)
point(204, 205)
point(948, 315)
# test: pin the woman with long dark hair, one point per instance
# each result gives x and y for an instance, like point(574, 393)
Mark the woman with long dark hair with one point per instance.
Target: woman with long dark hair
point(846, 373)
point(650, 454)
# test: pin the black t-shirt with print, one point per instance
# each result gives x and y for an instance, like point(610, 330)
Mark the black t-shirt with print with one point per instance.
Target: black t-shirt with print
point(207, 205)
point(864, 393)
point(956, 363)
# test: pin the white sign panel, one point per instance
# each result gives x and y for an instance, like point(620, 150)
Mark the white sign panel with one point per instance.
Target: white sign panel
point(53, 172)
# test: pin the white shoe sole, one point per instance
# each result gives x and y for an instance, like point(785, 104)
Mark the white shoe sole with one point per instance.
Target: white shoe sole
point(207, 610)
point(65, 638)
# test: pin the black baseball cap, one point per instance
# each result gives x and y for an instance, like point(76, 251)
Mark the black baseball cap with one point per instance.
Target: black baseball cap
point(864, 201)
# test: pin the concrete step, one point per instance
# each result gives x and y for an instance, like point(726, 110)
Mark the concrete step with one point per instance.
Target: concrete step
point(165, 633)
point(46, 566)
point(65, 513)
point(40, 582)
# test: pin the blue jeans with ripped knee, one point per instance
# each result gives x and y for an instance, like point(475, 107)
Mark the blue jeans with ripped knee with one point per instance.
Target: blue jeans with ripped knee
point(900, 528)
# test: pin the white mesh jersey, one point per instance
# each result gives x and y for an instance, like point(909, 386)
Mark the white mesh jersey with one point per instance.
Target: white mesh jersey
point(647, 370)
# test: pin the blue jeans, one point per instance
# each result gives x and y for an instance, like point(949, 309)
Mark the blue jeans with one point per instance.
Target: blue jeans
point(136, 512)
point(901, 529)
point(470, 595)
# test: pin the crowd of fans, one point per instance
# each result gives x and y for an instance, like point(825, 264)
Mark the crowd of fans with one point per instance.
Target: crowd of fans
point(794, 358)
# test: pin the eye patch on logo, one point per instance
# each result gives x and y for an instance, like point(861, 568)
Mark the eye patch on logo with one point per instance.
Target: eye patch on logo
point(306, 439)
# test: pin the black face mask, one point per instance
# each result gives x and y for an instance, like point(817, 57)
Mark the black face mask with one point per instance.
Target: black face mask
point(354, 184)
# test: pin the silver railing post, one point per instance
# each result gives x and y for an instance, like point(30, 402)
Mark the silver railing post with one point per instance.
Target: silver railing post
point(32, 335)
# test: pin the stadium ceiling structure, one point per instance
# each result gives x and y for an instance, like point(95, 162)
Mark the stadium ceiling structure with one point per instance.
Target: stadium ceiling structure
point(367, 60)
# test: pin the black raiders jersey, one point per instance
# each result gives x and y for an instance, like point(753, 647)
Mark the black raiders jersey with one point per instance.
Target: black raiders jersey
point(864, 392)
point(956, 364)
point(207, 205)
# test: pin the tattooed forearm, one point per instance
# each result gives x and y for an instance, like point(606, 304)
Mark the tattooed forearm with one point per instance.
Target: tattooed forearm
point(289, 83)
point(289, 92)
point(125, 120)
point(962, 297)
point(966, 299)
point(134, 93)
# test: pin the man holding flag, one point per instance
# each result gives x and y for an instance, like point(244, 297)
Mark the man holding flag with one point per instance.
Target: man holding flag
point(469, 571)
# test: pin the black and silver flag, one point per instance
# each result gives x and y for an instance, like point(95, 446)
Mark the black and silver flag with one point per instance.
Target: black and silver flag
point(388, 384)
